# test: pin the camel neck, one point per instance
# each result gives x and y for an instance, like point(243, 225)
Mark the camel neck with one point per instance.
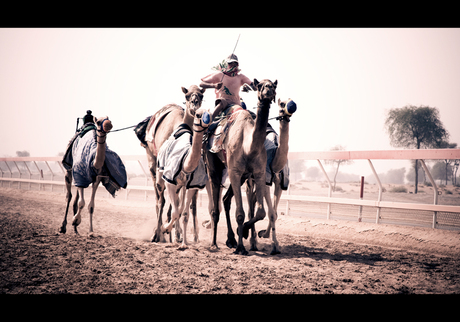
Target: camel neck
point(260, 127)
point(263, 109)
point(188, 119)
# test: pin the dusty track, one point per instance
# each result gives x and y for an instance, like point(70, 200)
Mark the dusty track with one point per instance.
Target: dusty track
point(318, 256)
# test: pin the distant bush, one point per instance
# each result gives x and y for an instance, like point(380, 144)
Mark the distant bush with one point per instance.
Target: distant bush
point(448, 192)
point(399, 189)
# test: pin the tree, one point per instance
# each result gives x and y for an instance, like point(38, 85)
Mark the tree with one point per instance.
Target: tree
point(450, 170)
point(22, 153)
point(338, 162)
point(414, 127)
point(440, 172)
point(410, 177)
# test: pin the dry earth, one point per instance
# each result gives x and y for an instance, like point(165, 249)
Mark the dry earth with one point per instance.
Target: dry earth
point(318, 256)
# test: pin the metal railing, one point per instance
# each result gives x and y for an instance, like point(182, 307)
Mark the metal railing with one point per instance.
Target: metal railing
point(421, 155)
point(8, 164)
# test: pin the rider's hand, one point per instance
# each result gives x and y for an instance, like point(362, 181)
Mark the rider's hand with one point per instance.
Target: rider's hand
point(246, 88)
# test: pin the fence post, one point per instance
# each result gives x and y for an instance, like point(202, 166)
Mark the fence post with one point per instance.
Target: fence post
point(379, 198)
point(361, 195)
point(435, 188)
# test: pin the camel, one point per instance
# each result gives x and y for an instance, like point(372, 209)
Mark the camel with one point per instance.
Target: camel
point(88, 160)
point(183, 170)
point(276, 172)
point(244, 156)
point(160, 127)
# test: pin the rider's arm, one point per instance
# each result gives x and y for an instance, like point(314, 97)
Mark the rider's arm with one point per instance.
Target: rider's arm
point(213, 80)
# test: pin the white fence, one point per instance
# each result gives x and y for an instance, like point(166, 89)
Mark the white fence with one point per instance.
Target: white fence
point(53, 168)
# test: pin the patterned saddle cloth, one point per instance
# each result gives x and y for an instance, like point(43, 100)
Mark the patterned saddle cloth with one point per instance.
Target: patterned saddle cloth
point(217, 131)
point(172, 155)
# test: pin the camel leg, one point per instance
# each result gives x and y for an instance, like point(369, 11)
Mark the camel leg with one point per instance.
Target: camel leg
point(192, 209)
point(235, 180)
point(215, 168)
point(160, 203)
point(231, 241)
point(250, 194)
point(68, 185)
point(81, 204)
point(189, 196)
point(91, 203)
point(272, 219)
point(276, 199)
point(176, 204)
point(259, 205)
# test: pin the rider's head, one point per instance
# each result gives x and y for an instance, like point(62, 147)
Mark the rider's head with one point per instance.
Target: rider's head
point(88, 118)
point(232, 60)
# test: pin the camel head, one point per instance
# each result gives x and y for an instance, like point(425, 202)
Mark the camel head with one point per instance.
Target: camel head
point(286, 109)
point(103, 123)
point(194, 97)
point(266, 90)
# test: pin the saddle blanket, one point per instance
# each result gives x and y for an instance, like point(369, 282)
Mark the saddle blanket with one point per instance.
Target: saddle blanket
point(171, 157)
point(271, 145)
point(81, 160)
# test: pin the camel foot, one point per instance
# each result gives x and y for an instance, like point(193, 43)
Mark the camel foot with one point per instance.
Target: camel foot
point(76, 221)
point(240, 250)
point(156, 238)
point(62, 230)
point(75, 229)
point(231, 242)
point(275, 251)
point(213, 248)
point(254, 248)
point(246, 228)
point(264, 234)
point(182, 247)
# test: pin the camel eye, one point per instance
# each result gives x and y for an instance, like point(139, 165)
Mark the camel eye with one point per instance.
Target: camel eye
point(283, 104)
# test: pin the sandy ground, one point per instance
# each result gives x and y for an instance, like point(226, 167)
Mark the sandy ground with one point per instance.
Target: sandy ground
point(318, 256)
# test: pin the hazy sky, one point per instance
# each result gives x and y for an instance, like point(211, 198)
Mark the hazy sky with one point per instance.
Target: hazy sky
point(343, 80)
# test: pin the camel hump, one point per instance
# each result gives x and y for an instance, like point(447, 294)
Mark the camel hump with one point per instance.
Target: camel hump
point(157, 118)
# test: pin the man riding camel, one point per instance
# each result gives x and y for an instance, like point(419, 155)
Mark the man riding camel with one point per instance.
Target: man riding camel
point(227, 83)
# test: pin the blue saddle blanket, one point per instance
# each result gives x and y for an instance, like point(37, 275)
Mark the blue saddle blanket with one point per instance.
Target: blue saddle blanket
point(80, 158)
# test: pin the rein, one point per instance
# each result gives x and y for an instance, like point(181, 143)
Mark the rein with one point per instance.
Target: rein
point(125, 128)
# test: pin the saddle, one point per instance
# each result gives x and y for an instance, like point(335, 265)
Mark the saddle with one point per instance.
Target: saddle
point(146, 129)
point(217, 131)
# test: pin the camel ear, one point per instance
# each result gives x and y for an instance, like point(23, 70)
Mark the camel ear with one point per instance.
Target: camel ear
point(279, 101)
point(256, 82)
point(203, 90)
point(275, 83)
point(184, 90)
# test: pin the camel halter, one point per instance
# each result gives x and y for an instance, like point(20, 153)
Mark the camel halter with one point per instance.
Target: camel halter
point(203, 122)
point(102, 130)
